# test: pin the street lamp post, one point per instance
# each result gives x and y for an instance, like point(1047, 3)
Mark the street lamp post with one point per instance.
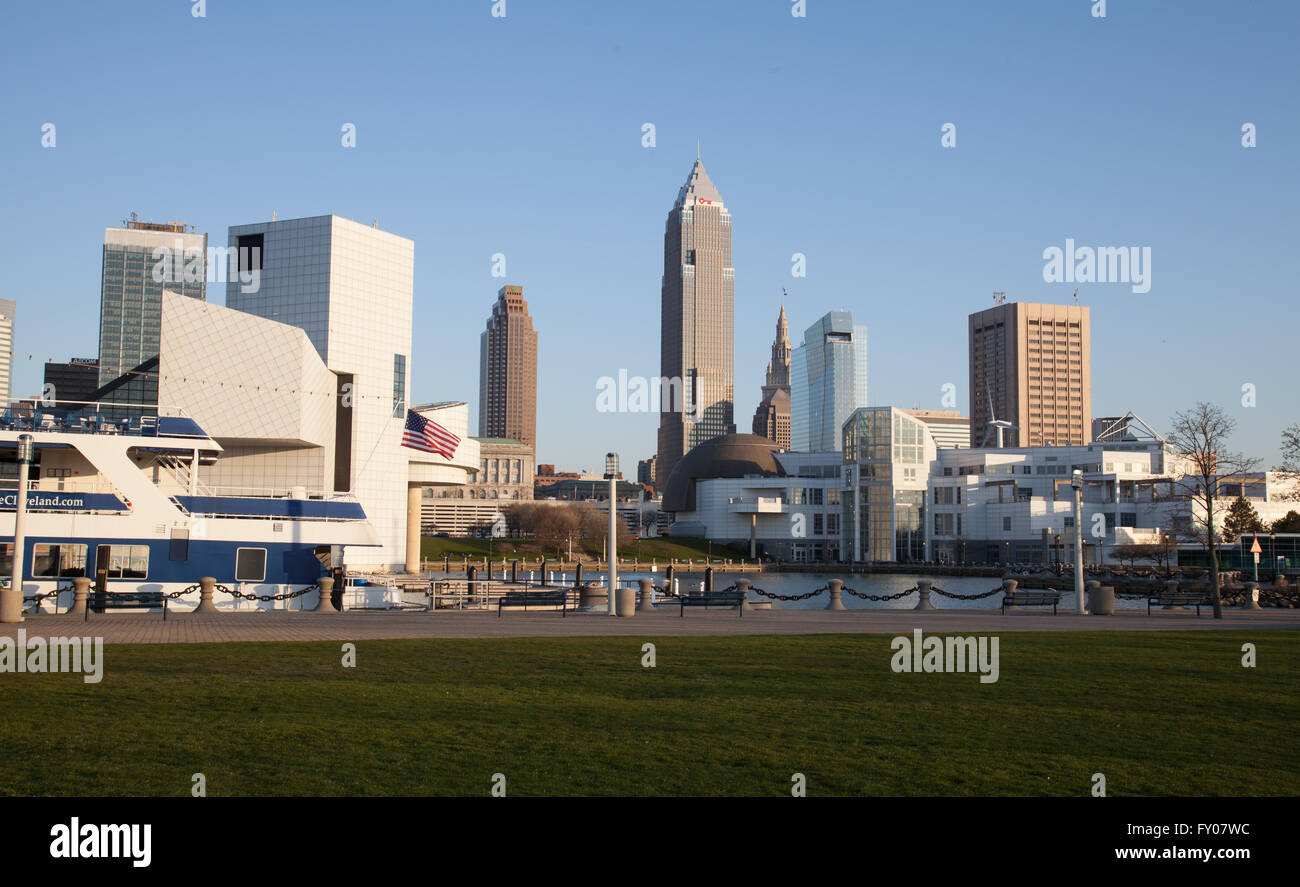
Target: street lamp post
point(611, 473)
point(11, 598)
point(1076, 481)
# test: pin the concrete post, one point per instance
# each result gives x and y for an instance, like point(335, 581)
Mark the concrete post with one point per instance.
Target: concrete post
point(413, 494)
point(326, 605)
point(207, 585)
point(923, 595)
point(646, 603)
point(1171, 585)
point(1009, 588)
point(80, 590)
point(1250, 598)
point(742, 586)
point(836, 591)
point(625, 599)
point(1101, 599)
point(708, 580)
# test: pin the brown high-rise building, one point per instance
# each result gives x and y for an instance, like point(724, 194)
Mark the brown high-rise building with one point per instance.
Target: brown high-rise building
point(772, 418)
point(1033, 362)
point(696, 323)
point(507, 405)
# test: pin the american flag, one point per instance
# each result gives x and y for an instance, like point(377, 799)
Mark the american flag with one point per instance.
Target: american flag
point(428, 436)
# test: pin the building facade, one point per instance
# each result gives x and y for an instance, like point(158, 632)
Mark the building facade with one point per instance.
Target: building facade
point(72, 384)
point(696, 323)
point(949, 428)
point(140, 261)
point(772, 417)
point(1033, 363)
point(508, 371)
point(828, 381)
point(505, 470)
point(887, 455)
point(740, 490)
point(349, 287)
point(8, 310)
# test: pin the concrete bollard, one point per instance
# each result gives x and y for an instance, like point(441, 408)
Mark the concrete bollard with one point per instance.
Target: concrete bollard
point(923, 595)
point(325, 605)
point(1009, 589)
point(1171, 585)
point(207, 585)
point(646, 604)
point(742, 586)
point(80, 590)
point(626, 598)
point(1250, 597)
point(1100, 598)
point(835, 588)
point(591, 597)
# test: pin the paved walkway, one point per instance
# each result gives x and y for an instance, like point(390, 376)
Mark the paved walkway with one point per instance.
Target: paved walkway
point(181, 628)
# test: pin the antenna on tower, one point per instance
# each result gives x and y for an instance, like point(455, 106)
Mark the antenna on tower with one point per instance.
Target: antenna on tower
point(999, 297)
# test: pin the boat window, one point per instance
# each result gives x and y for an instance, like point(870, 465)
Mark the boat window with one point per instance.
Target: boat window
point(250, 564)
point(127, 561)
point(58, 561)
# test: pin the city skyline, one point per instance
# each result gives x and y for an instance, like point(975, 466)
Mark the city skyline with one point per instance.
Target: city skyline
point(872, 190)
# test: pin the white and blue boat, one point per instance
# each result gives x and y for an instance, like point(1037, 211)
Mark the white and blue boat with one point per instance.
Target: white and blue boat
point(123, 498)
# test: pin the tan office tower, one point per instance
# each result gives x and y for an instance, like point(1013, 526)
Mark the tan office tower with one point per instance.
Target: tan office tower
point(696, 323)
point(1033, 361)
point(507, 406)
point(772, 418)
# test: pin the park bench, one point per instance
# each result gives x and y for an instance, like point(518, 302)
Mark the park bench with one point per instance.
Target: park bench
point(126, 600)
point(1031, 599)
point(713, 598)
point(535, 598)
point(1168, 598)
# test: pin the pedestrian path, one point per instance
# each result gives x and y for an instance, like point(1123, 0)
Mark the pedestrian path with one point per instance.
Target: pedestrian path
point(182, 628)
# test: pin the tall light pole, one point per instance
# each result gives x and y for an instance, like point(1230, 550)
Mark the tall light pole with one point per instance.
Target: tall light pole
point(611, 473)
point(11, 598)
point(1076, 481)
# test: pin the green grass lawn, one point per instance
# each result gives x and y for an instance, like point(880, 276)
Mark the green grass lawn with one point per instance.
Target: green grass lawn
point(1158, 713)
point(659, 548)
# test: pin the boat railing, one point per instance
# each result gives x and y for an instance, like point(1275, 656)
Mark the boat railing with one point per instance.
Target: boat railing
point(278, 493)
point(86, 417)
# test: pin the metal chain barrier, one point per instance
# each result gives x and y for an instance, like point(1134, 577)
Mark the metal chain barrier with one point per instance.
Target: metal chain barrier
point(787, 597)
point(41, 596)
point(967, 597)
point(248, 596)
point(878, 597)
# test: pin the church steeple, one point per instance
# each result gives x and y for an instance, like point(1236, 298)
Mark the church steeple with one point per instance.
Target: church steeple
point(778, 370)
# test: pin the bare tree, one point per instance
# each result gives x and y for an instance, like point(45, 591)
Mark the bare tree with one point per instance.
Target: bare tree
point(1291, 459)
point(1199, 437)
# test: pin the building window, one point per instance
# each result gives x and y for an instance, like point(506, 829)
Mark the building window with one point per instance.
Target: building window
point(126, 561)
point(399, 385)
point(57, 561)
point(250, 564)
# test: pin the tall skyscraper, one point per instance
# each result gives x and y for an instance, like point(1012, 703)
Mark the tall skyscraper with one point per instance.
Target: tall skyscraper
point(772, 418)
point(1033, 361)
point(697, 309)
point(349, 287)
point(828, 381)
point(141, 259)
point(507, 379)
point(8, 308)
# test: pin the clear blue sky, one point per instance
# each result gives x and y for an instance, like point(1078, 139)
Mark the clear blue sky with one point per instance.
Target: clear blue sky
point(522, 135)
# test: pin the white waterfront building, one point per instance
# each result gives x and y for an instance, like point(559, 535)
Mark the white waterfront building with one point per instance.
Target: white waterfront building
point(907, 499)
